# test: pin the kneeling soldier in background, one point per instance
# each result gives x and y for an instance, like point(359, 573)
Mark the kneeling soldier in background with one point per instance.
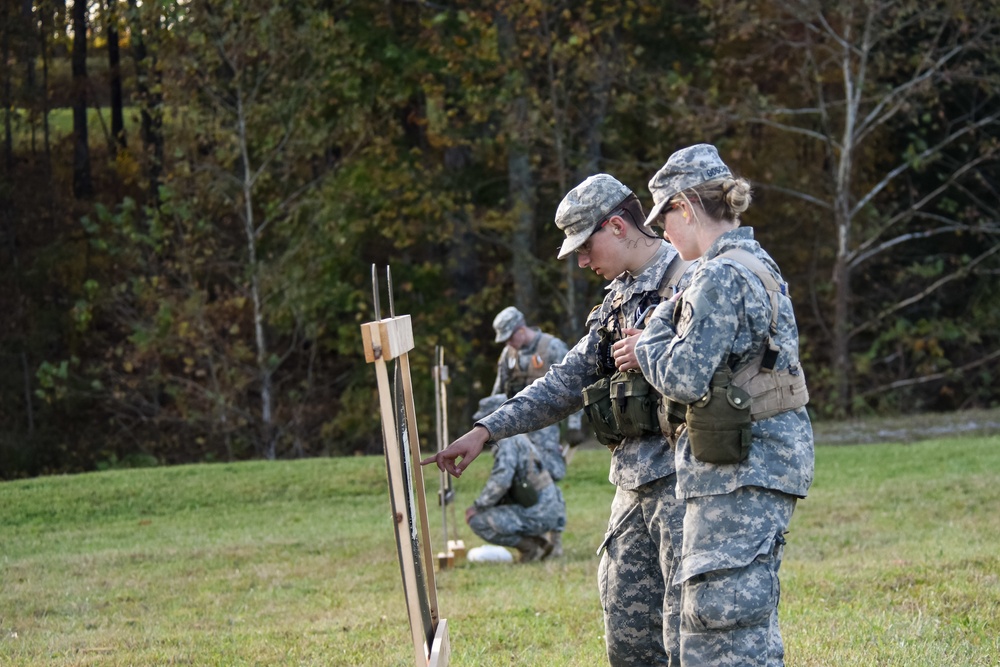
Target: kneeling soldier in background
point(520, 502)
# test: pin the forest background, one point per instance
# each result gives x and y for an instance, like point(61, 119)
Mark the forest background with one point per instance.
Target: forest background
point(192, 196)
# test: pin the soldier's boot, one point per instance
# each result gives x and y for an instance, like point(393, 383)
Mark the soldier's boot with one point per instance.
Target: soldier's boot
point(556, 538)
point(533, 547)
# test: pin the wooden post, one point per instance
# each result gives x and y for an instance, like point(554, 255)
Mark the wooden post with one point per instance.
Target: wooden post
point(386, 340)
point(454, 549)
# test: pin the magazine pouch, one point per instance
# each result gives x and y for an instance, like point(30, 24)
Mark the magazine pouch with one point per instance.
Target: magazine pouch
point(633, 403)
point(597, 406)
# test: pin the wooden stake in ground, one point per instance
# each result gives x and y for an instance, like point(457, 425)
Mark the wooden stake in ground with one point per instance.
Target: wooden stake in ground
point(454, 552)
point(391, 340)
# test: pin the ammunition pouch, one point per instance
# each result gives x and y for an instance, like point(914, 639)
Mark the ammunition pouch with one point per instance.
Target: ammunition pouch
point(633, 403)
point(597, 406)
point(621, 406)
point(718, 424)
point(522, 492)
point(524, 489)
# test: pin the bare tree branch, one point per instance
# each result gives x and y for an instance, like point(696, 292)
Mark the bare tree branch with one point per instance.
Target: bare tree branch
point(923, 155)
point(955, 275)
point(798, 194)
point(951, 372)
point(913, 208)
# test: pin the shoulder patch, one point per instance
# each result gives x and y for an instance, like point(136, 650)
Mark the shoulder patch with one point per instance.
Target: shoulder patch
point(698, 305)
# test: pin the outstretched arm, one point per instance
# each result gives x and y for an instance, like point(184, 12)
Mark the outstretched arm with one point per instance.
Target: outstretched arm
point(466, 448)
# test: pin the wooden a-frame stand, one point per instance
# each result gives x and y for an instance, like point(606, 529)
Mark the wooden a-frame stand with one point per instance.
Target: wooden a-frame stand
point(386, 340)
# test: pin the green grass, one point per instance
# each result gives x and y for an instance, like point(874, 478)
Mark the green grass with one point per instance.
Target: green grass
point(61, 127)
point(894, 559)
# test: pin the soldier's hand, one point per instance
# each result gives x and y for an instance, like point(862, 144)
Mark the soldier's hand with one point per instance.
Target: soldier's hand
point(574, 436)
point(458, 455)
point(469, 513)
point(624, 351)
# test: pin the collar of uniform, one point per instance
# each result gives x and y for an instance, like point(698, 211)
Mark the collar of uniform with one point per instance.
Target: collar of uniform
point(652, 260)
point(734, 238)
point(530, 347)
point(650, 276)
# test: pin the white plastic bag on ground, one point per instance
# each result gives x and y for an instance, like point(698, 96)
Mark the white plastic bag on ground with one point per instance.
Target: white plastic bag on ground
point(489, 553)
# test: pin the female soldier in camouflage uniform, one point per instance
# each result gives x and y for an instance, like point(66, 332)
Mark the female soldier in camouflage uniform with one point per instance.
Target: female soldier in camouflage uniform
point(729, 350)
point(602, 221)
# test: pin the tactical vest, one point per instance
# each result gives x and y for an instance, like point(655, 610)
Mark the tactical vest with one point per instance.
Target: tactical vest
point(718, 424)
point(624, 404)
point(518, 378)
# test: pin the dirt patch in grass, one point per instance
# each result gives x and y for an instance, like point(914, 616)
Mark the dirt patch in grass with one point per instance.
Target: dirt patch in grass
point(906, 428)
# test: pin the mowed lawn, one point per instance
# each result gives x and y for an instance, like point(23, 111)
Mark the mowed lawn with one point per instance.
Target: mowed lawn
point(894, 559)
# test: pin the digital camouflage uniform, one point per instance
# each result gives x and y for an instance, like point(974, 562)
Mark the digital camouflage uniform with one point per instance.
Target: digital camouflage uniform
point(737, 514)
point(515, 370)
point(642, 547)
point(500, 520)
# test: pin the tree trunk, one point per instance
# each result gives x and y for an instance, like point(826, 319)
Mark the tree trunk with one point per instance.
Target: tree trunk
point(83, 185)
point(150, 101)
point(28, 392)
point(44, 30)
point(263, 355)
point(841, 331)
point(6, 98)
point(29, 55)
point(520, 179)
point(522, 196)
point(115, 73)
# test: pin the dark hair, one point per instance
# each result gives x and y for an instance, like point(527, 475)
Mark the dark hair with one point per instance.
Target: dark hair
point(632, 207)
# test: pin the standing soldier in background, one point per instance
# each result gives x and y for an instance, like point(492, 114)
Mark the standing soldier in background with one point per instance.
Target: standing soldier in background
point(603, 223)
point(527, 356)
point(519, 503)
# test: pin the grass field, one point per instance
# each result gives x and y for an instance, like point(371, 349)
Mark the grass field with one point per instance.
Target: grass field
point(61, 126)
point(893, 560)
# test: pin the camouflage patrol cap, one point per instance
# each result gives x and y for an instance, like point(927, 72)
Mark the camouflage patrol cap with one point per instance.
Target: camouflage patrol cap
point(489, 405)
point(685, 169)
point(506, 323)
point(585, 206)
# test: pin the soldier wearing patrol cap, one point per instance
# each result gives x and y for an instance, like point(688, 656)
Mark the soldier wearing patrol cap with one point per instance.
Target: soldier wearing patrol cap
point(520, 503)
point(602, 222)
point(507, 321)
point(527, 355)
point(728, 350)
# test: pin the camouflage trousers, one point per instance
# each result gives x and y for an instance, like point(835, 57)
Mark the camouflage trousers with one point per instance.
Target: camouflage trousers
point(732, 551)
point(643, 543)
point(546, 442)
point(507, 524)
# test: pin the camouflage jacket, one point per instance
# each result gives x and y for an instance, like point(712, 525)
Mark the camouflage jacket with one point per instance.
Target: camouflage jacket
point(514, 456)
point(725, 315)
point(519, 368)
point(559, 393)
